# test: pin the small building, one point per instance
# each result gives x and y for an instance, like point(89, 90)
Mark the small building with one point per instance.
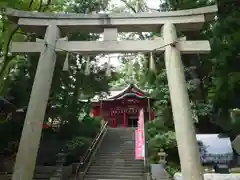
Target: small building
point(120, 106)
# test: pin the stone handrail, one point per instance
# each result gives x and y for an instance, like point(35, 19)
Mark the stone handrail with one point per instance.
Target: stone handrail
point(147, 164)
point(85, 160)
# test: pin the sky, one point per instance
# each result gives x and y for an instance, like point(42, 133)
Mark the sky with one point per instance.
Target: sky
point(150, 3)
point(114, 61)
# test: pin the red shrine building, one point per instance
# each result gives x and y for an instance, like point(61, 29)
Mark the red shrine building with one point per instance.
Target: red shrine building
point(120, 108)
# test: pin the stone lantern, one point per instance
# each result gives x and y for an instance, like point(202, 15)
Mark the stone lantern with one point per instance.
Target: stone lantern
point(162, 157)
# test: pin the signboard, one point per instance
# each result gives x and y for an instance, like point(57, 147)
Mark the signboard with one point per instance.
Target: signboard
point(140, 137)
point(214, 148)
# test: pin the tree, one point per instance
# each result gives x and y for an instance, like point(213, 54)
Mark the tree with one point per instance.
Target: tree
point(212, 80)
point(68, 88)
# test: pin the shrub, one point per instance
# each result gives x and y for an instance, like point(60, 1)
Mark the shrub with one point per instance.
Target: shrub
point(76, 148)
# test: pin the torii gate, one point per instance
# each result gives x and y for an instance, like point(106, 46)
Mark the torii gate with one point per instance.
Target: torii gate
point(111, 24)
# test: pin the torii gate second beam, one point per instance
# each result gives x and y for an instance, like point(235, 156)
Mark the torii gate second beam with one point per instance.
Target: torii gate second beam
point(97, 47)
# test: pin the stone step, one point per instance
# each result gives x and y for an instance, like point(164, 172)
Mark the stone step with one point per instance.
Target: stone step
point(107, 155)
point(118, 169)
point(129, 145)
point(113, 176)
point(117, 161)
point(116, 173)
point(120, 144)
point(117, 157)
point(99, 165)
point(116, 154)
point(132, 152)
point(139, 166)
point(135, 166)
point(42, 176)
point(117, 165)
point(116, 178)
point(126, 150)
point(127, 157)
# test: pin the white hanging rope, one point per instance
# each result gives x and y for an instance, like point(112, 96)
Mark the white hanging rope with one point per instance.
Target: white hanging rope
point(87, 67)
point(108, 70)
point(66, 63)
point(152, 66)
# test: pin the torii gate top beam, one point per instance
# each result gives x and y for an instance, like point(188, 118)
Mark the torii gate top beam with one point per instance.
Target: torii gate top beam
point(185, 20)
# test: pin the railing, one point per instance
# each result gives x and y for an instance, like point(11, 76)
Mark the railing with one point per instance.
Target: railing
point(148, 175)
point(85, 160)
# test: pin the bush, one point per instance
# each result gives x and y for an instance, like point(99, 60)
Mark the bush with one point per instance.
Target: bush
point(90, 126)
point(10, 132)
point(82, 138)
point(74, 138)
point(76, 147)
point(161, 137)
point(172, 168)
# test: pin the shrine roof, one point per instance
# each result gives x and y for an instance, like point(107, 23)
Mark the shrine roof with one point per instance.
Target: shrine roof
point(119, 93)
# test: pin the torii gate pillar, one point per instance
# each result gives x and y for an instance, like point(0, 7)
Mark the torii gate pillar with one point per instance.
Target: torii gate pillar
point(31, 133)
point(185, 133)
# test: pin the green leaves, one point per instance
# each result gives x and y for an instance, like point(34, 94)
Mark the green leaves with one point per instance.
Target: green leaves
point(77, 143)
point(6, 70)
point(159, 136)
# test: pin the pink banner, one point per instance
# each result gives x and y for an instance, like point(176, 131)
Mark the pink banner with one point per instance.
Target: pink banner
point(137, 147)
point(139, 137)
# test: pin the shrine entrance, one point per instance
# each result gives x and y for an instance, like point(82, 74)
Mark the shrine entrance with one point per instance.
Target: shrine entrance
point(133, 121)
point(56, 25)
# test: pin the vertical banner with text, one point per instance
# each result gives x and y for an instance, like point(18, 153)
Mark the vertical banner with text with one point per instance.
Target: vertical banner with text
point(140, 137)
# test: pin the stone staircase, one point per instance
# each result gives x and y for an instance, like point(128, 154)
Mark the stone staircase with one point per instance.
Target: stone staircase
point(115, 158)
